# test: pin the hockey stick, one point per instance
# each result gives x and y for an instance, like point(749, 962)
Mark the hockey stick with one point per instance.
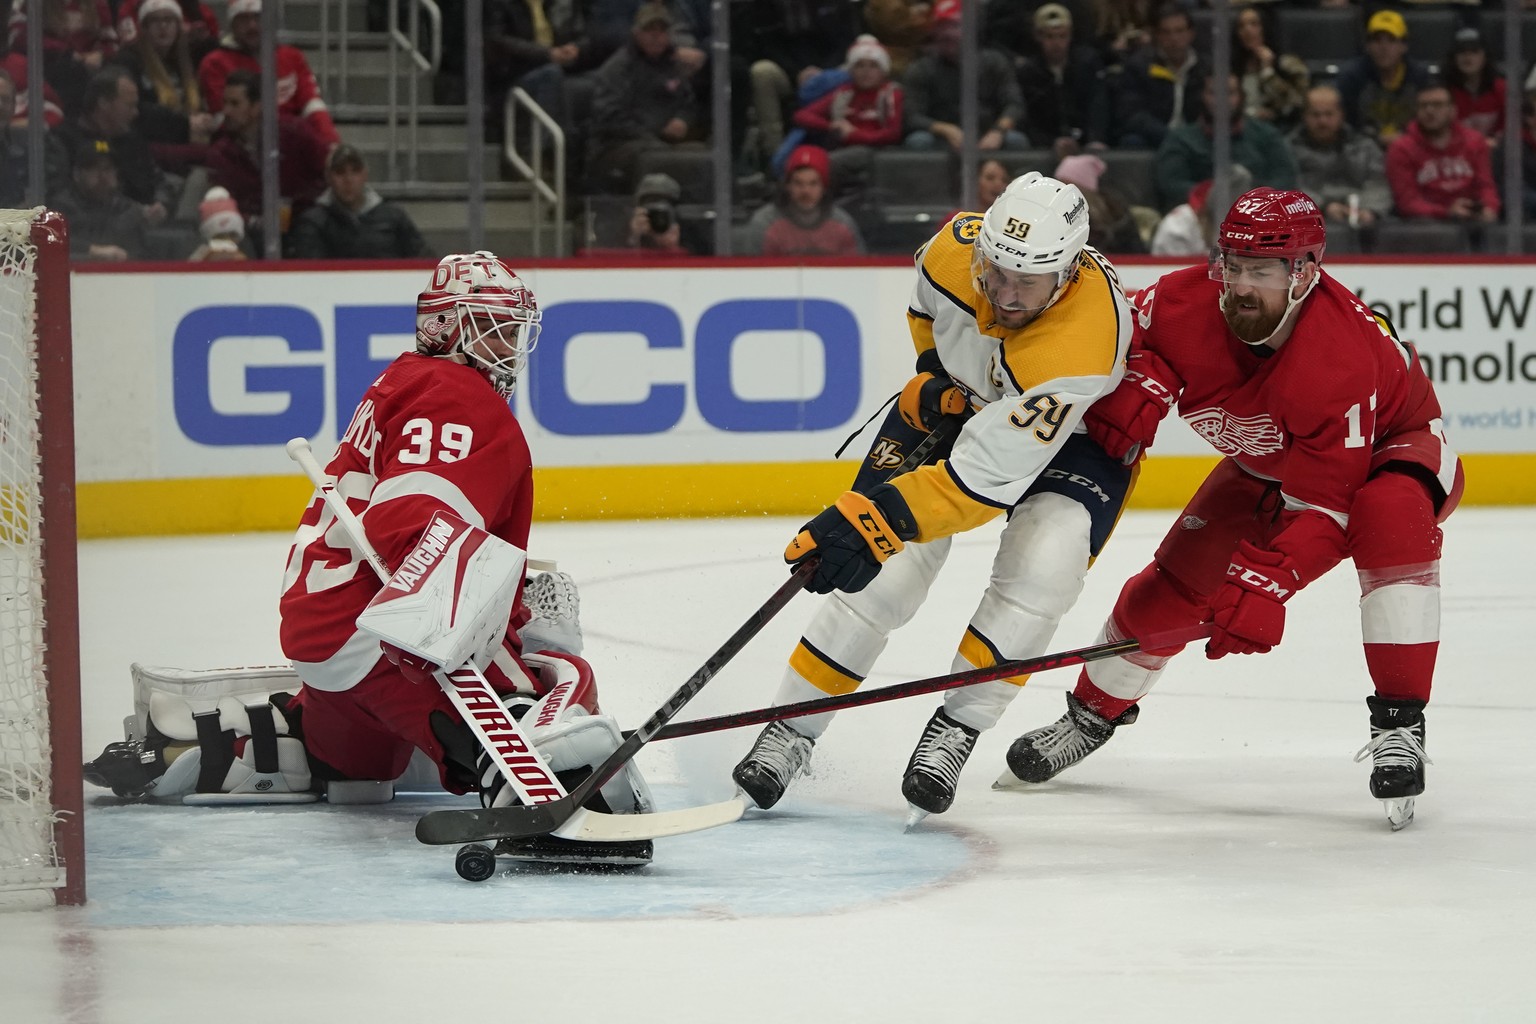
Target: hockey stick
point(471, 825)
point(933, 684)
point(523, 765)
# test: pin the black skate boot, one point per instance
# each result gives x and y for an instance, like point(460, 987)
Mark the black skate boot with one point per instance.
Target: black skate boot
point(779, 755)
point(934, 769)
point(1042, 754)
point(127, 768)
point(1397, 756)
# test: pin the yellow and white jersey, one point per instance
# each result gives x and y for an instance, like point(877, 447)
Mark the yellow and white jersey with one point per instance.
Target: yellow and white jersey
point(1029, 387)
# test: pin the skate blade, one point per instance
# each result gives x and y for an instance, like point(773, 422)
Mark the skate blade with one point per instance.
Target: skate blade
point(915, 815)
point(1399, 812)
point(1008, 780)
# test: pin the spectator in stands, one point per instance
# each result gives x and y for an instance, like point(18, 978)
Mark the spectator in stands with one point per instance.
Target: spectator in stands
point(78, 38)
point(1528, 155)
point(1379, 87)
point(1439, 168)
point(15, 65)
point(199, 23)
point(1160, 87)
point(1343, 171)
point(1122, 27)
point(297, 93)
point(932, 87)
point(902, 28)
point(795, 41)
point(104, 224)
point(992, 176)
point(222, 228)
point(1066, 100)
point(804, 222)
point(1476, 88)
point(529, 46)
point(859, 116)
point(653, 224)
point(13, 148)
point(1189, 229)
point(172, 115)
point(234, 158)
point(642, 100)
point(1274, 85)
point(111, 108)
point(1184, 158)
point(1111, 225)
point(350, 221)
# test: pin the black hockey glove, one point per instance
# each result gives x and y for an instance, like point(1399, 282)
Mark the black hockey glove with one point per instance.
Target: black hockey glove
point(853, 538)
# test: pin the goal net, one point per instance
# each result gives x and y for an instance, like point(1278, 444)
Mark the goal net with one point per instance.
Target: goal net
point(41, 853)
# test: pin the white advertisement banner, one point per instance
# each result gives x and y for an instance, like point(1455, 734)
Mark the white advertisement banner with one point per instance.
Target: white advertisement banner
point(208, 373)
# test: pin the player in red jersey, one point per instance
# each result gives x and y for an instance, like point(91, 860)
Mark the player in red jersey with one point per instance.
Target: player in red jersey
point(434, 433)
point(1333, 447)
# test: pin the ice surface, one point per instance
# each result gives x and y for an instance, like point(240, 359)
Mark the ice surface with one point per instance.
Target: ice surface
point(1220, 860)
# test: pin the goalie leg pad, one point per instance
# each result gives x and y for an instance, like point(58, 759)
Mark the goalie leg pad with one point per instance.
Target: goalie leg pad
point(223, 734)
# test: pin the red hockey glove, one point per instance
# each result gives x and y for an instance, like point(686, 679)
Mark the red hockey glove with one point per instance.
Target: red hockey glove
point(854, 537)
point(1124, 421)
point(1248, 611)
point(928, 398)
point(417, 670)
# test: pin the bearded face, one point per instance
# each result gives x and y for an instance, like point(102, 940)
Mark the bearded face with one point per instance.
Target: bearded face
point(1254, 300)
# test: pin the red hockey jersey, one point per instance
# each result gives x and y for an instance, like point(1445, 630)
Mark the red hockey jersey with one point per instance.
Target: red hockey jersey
point(297, 93)
point(1314, 414)
point(429, 435)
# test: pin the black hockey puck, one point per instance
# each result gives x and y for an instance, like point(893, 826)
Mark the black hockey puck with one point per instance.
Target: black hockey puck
point(475, 862)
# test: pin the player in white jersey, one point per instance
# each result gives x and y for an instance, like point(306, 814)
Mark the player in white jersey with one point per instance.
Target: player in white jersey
point(1018, 327)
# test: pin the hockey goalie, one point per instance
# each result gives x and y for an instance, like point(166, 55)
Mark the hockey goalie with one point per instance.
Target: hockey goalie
point(435, 472)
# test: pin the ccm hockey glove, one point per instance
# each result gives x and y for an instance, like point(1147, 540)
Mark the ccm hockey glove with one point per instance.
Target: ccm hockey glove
point(1124, 421)
point(853, 538)
point(928, 398)
point(1248, 611)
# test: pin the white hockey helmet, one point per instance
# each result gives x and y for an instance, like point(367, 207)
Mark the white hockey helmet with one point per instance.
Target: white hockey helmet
point(1037, 226)
point(477, 307)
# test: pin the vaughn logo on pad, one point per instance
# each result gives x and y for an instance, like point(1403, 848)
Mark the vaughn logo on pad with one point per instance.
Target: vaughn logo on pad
point(452, 595)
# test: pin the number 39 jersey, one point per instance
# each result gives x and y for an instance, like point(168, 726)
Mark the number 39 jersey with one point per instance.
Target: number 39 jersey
point(429, 435)
point(1313, 415)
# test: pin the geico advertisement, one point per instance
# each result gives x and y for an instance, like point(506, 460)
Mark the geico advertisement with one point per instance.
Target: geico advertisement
point(208, 374)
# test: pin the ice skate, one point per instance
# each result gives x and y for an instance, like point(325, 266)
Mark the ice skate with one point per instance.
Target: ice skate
point(934, 769)
point(126, 767)
point(1397, 756)
point(1042, 754)
point(779, 755)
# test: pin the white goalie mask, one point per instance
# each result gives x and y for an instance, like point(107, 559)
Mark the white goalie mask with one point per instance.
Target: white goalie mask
point(1036, 228)
point(477, 308)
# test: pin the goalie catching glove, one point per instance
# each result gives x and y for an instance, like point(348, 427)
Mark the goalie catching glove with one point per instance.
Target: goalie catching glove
point(1248, 611)
point(853, 538)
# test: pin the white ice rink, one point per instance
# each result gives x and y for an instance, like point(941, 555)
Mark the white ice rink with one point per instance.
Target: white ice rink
point(1221, 860)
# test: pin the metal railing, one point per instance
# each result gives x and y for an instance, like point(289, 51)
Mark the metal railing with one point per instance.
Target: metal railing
point(532, 168)
point(409, 44)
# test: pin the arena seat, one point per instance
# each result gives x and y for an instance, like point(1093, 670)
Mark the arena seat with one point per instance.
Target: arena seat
point(1421, 236)
point(1324, 38)
point(1430, 33)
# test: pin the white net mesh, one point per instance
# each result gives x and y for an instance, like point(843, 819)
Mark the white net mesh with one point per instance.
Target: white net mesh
point(28, 856)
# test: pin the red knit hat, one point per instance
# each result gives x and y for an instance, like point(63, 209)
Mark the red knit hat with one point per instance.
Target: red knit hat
point(813, 157)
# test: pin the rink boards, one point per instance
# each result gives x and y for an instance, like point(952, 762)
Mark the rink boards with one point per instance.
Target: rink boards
point(706, 389)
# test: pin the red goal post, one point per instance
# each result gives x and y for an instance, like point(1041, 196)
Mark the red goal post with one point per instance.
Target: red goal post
point(42, 839)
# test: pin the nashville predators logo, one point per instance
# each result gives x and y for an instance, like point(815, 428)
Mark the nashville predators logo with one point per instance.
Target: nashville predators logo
point(1237, 435)
point(966, 229)
point(886, 454)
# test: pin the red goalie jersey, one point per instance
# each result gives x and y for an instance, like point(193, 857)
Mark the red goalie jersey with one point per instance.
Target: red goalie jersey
point(1341, 397)
point(429, 435)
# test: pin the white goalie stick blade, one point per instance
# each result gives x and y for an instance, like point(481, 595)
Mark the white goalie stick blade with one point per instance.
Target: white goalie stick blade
point(1399, 812)
point(451, 827)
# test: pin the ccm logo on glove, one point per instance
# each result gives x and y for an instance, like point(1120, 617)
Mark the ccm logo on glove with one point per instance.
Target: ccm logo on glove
point(853, 538)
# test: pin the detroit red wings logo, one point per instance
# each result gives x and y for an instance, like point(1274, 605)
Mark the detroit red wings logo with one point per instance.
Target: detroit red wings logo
point(1236, 435)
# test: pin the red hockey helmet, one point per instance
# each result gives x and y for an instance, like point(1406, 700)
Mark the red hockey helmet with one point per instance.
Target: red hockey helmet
point(1273, 222)
point(476, 306)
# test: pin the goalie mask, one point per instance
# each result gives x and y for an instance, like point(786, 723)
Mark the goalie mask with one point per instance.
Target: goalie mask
point(1028, 246)
point(478, 309)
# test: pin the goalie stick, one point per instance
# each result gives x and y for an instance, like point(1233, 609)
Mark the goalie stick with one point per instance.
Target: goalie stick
point(586, 824)
point(470, 825)
point(933, 684)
